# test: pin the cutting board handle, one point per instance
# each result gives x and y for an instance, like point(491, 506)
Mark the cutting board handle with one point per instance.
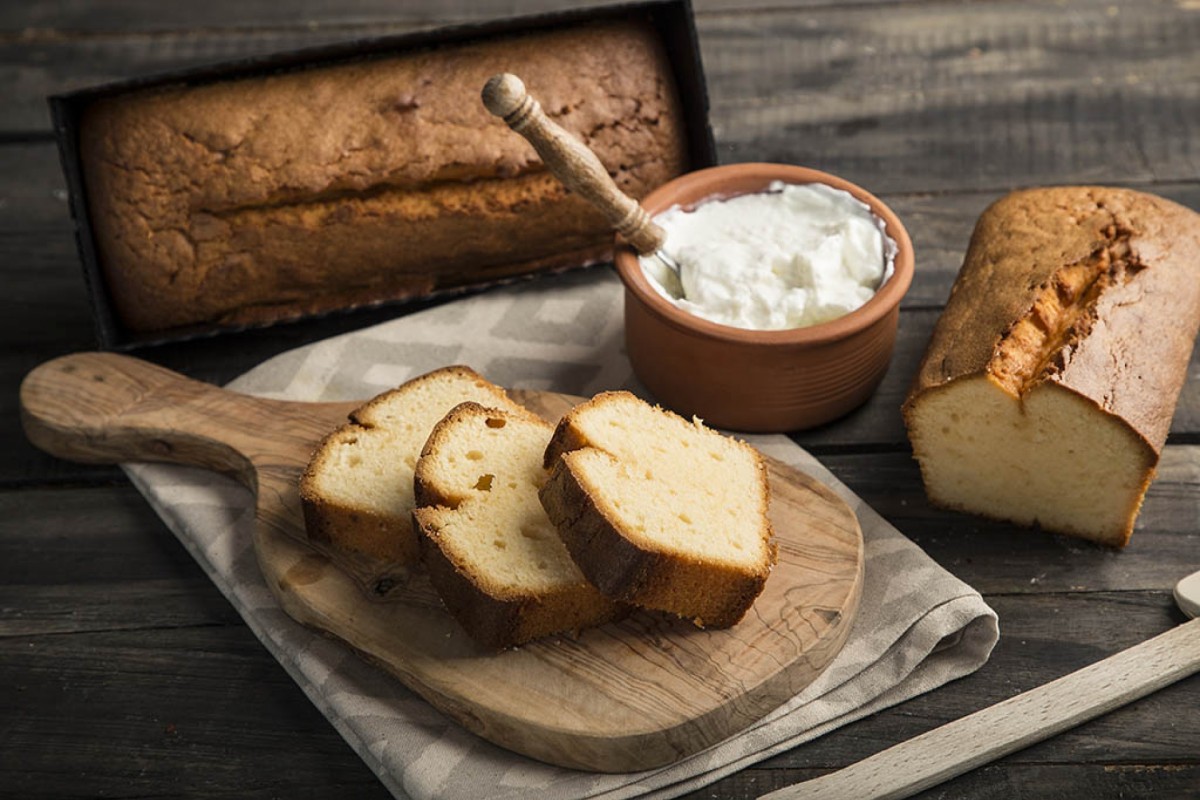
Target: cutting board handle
point(108, 408)
point(540, 700)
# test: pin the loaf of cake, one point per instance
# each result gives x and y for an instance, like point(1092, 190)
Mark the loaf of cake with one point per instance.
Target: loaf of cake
point(357, 491)
point(253, 200)
point(1048, 387)
point(492, 554)
point(658, 511)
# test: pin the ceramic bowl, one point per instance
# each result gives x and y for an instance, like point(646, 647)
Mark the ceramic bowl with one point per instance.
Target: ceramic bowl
point(759, 381)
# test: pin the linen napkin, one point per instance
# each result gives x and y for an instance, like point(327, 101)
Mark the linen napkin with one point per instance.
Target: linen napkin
point(917, 628)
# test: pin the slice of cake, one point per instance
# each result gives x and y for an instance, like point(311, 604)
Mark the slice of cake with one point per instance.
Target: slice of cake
point(1047, 390)
point(492, 554)
point(357, 492)
point(658, 511)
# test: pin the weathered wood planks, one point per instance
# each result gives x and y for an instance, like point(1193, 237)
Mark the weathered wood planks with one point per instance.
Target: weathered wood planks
point(126, 674)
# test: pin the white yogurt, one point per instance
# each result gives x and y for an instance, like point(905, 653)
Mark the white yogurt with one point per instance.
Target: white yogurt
point(793, 256)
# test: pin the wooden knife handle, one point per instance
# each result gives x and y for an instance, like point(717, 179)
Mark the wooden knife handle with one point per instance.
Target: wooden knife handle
point(571, 161)
point(1016, 723)
point(108, 408)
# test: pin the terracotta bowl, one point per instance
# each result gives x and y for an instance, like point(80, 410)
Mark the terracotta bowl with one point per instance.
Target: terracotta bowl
point(759, 381)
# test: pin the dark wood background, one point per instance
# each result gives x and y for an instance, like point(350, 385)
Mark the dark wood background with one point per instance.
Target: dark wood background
point(124, 673)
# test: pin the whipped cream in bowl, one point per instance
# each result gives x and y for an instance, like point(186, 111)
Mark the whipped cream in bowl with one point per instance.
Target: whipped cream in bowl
point(792, 283)
point(791, 256)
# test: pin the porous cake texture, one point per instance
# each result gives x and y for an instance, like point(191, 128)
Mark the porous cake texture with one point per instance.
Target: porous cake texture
point(357, 491)
point(492, 553)
point(1048, 387)
point(658, 511)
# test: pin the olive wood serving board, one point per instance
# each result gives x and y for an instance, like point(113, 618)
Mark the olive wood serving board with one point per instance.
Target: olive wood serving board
point(632, 695)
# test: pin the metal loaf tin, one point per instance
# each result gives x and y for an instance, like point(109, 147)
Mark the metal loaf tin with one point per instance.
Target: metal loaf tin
point(672, 19)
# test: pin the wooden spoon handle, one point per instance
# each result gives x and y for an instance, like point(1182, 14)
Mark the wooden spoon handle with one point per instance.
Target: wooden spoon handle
point(108, 408)
point(571, 161)
point(996, 731)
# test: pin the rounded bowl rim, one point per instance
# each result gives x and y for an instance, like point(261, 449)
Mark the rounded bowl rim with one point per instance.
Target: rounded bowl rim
point(707, 183)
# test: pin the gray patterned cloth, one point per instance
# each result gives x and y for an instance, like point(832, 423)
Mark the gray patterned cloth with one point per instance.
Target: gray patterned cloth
point(918, 627)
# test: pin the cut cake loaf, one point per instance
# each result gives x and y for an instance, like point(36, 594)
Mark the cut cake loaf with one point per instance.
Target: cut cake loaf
point(1048, 387)
point(357, 492)
point(658, 511)
point(491, 552)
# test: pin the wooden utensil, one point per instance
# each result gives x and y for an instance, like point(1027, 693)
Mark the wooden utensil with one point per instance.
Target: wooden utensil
point(625, 696)
point(573, 163)
point(994, 732)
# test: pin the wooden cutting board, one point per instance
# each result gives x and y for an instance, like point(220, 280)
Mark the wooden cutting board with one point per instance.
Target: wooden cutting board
point(641, 693)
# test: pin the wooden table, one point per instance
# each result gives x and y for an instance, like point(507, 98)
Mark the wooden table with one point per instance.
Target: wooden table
point(124, 673)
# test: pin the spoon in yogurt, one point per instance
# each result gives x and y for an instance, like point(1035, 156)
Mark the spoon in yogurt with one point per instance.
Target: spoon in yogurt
point(573, 163)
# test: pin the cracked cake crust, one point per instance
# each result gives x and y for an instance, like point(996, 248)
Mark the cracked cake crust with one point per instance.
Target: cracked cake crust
point(1047, 391)
point(1129, 350)
point(259, 199)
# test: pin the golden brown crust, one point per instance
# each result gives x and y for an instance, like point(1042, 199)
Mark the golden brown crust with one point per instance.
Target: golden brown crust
point(491, 623)
point(496, 615)
point(371, 548)
point(352, 531)
point(718, 597)
point(620, 564)
point(379, 549)
point(497, 620)
point(251, 200)
point(610, 561)
point(1128, 353)
point(357, 531)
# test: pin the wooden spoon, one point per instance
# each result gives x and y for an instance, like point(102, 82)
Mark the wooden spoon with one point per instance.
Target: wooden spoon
point(581, 171)
point(991, 733)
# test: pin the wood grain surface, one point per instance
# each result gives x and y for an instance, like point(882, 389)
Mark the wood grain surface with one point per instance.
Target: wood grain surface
point(626, 696)
point(991, 733)
point(124, 673)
